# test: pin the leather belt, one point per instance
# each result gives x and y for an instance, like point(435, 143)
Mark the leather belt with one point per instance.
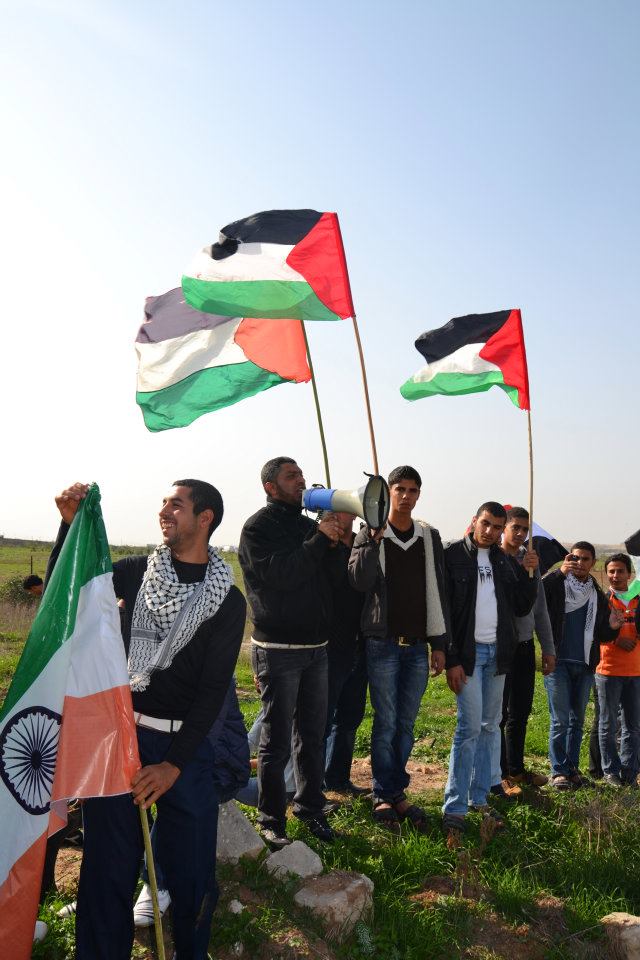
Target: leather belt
point(156, 723)
point(409, 641)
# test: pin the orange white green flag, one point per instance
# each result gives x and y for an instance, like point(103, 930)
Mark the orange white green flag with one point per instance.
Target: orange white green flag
point(66, 727)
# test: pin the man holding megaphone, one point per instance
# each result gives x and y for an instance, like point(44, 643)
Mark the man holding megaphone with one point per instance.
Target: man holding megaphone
point(400, 567)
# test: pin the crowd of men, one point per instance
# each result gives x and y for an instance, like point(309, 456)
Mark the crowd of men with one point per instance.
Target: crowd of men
point(333, 612)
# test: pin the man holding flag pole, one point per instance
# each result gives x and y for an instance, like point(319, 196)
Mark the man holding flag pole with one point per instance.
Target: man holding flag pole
point(183, 627)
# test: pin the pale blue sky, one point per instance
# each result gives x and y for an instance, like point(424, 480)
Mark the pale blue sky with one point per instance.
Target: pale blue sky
point(480, 156)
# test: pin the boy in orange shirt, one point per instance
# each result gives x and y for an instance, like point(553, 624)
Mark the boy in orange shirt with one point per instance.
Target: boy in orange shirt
point(618, 680)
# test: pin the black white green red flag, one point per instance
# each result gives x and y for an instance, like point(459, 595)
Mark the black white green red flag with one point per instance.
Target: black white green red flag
point(275, 264)
point(66, 727)
point(191, 363)
point(471, 354)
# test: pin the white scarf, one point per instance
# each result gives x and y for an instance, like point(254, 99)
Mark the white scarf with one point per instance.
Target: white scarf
point(167, 613)
point(576, 594)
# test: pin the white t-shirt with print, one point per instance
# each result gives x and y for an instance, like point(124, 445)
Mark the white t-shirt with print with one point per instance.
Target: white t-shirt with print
point(486, 604)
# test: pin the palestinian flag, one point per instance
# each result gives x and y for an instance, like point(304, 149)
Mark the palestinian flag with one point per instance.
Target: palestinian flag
point(550, 551)
point(66, 728)
point(191, 363)
point(275, 264)
point(472, 354)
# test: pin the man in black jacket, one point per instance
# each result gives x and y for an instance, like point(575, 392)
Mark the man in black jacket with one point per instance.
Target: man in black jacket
point(183, 627)
point(486, 591)
point(580, 621)
point(286, 560)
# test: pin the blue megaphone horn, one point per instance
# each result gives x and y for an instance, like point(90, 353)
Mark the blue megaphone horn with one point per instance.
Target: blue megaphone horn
point(370, 502)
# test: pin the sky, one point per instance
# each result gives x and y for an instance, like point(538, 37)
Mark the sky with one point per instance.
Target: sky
point(481, 156)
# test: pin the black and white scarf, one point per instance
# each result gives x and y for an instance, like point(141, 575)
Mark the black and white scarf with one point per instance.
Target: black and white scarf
point(576, 594)
point(167, 613)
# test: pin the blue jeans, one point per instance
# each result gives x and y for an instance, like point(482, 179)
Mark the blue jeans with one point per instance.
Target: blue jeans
point(293, 687)
point(568, 689)
point(185, 838)
point(614, 692)
point(397, 681)
point(346, 707)
point(476, 741)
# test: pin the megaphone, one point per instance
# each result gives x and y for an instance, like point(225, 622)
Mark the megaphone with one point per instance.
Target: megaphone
point(370, 502)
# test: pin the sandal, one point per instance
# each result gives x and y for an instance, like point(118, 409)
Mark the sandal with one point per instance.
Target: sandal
point(453, 822)
point(560, 782)
point(387, 817)
point(416, 817)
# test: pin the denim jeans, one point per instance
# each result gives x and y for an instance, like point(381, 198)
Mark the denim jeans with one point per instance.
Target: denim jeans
point(568, 689)
point(476, 741)
point(346, 707)
point(185, 838)
point(397, 681)
point(293, 687)
point(614, 692)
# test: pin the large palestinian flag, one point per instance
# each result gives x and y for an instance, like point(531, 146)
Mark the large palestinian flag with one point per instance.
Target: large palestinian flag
point(471, 354)
point(191, 363)
point(66, 727)
point(275, 264)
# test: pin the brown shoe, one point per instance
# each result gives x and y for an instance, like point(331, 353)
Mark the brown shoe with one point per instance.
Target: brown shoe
point(511, 788)
point(529, 779)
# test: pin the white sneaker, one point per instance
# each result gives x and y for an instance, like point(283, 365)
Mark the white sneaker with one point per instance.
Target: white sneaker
point(40, 931)
point(143, 909)
point(68, 910)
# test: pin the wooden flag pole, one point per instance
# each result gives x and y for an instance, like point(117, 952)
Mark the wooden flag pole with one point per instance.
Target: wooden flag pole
point(153, 883)
point(374, 452)
point(317, 403)
point(530, 486)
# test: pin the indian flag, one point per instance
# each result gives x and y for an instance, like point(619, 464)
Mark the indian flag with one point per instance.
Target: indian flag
point(66, 727)
point(274, 264)
point(471, 354)
point(191, 363)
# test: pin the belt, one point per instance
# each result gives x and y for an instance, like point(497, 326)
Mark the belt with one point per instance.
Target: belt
point(409, 641)
point(156, 723)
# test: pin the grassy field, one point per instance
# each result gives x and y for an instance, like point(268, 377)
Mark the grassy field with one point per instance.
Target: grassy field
point(535, 891)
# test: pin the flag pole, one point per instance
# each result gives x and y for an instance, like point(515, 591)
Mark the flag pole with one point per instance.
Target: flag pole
point(153, 883)
point(317, 403)
point(363, 371)
point(530, 485)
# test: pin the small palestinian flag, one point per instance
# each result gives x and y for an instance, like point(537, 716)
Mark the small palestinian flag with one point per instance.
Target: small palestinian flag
point(472, 354)
point(550, 551)
point(275, 264)
point(191, 363)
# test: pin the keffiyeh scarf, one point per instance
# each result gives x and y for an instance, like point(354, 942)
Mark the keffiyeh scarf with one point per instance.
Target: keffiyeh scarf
point(576, 594)
point(167, 613)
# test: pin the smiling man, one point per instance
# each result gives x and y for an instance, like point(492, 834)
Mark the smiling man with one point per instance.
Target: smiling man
point(182, 629)
point(286, 560)
point(486, 590)
point(401, 571)
point(581, 621)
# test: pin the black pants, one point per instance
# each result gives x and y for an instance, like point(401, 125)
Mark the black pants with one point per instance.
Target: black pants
point(517, 702)
point(345, 710)
point(595, 759)
point(293, 689)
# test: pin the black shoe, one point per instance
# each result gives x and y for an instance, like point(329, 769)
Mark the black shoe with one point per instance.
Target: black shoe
point(331, 806)
point(318, 827)
point(349, 787)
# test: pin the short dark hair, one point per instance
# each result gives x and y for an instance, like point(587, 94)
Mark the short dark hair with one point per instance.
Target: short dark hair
point(204, 496)
point(33, 580)
point(404, 473)
point(585, 545)
point(493, 507)
point(271, 469)
point(517, 513)
point(619, 558)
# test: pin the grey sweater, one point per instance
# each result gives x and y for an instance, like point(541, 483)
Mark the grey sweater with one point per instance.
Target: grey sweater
point(537, 617)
